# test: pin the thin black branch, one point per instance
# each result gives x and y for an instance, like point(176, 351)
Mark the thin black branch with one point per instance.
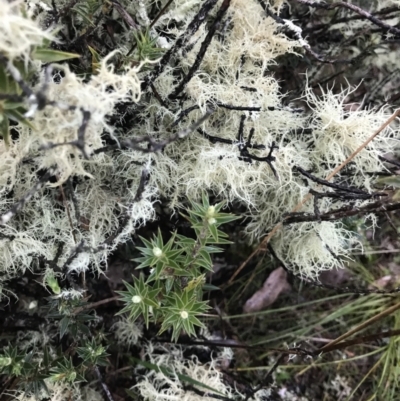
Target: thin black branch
point(144, 179)
point(244, 145)
point(53, 263)
point(341, 213)
point(203, 48)
point(239, 108)
point(333, 22)
point(356, 9)
point(387, 160)
point(363, 340)
point(232, 344)
point(183, 114)
point(103, 384)
point(158, 96)
point(5, 218)
point(74, 199)
point(181, 42)
point(297, 34)
point(335, 186)
point(216, 139)
point(79, 143)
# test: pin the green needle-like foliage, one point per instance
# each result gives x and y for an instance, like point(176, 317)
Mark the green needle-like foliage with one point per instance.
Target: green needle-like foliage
point(139, 298)
point(172, 293)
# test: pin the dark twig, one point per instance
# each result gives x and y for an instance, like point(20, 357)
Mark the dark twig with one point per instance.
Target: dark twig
point(390, 161)
point(203, 48)
point(363, 340)
point(158, 96)
point(335, 186)
point(160, 13)
point(71, 193)
point(275, 366)
point(356, 9)
point(338, 214)
point(144, 178)
point(383, 12)
point(215, 139)
point(53, 263)
point(183, 114)
point(5, 218)
point(244, 145)
point(78, 143)
point(103, 384)
point(66, 206)
point(233, 344)
point(297, 34)
point(239, 108)
point(198, 20)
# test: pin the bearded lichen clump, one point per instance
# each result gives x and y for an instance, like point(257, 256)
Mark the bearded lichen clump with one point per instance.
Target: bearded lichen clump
point(233, 81)
point(166, 384)
point(100, 189)
point(63, 392)
point(246, 151)
point(18, 33)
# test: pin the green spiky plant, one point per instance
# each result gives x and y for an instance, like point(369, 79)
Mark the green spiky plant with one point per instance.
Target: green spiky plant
point(173, 291)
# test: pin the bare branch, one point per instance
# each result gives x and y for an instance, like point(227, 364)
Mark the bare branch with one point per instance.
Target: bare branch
point(364, 14)
point(5, 218)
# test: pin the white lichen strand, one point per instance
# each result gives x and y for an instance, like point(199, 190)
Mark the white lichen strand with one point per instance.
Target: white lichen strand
point(163, 388)
point(19, 35)
point(158, 386)
point(127, 332)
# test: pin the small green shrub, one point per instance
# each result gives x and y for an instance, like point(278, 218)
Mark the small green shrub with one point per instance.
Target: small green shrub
point(173, 292)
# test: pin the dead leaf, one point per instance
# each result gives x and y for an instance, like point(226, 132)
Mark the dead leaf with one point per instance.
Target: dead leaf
point(382, 282)
point(267, 295)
